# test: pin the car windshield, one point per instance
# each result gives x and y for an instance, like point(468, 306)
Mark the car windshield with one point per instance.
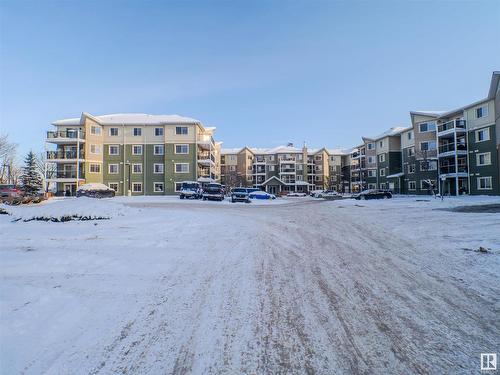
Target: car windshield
point(189, 186)
point(239, 190)
point(214, 186)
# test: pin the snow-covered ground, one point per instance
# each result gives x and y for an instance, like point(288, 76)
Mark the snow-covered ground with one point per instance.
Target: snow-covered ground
point(287, 286)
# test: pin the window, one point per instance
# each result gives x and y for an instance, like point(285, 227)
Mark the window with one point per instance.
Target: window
point(482, 111)
point(232, 157)
point(137, 150)
point(410, 136)
point(137, 187)
point(411, 151)
point(114, 150)
point(371, 160)
point(372, 173)
point(113, 185)
point(424, 184)
point(411, 168)
point(158, 168)
point(113, 132)
point(137, 168)
point(181, 130)
point(372, 186)
point(383, 186)
point(181, 168)
point(425, 127)
point(483, 135)
point(271, 158)
point(370, 146)
point(95, 168)
point(382, 172)
point(484, 158)
point(427, 146)
point(232, 168)
point(381, 143)
point(484, 183)
point(95, 130)
point(182, 149)
point(158, 133)
point(113, 168)
point(381, 158)
point(412, 185)
point(159, 149)
point(271, 168)
point(137, 132)
point(95, 149)
point(318, 157)
point(332, 159)
point(158, 187)
point(428, 165)
point(177, 186)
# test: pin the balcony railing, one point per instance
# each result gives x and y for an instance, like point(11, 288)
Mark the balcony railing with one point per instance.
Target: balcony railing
point(72, 134)
point(451, 147)
point(52, 155)
point(459, 124)
point(63, 174)
point(452, 169)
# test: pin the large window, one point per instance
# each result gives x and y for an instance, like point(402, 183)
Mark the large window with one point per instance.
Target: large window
point(182, 149)
point(483, 158)
point(137, 168)
point(372, 173)
point(95, 149)
point(95, 130)
point(483, 135)
point(370, 146)
point(113, 168)
point(484, 183)
point(158, 132)
point(137, 187)
point(114, 186)
point(412, 185)
point(158, 168)
point(158, 187)
point(425, 127)
point(159, 149)
point(181, 167)
point(113, 132)
point(114, 150)
point(137, 132)
point(137, 150)
point(181, 130)
point(427, 146)
point(482, 111)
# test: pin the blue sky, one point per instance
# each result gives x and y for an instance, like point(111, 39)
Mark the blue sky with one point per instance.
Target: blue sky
point(263, 72)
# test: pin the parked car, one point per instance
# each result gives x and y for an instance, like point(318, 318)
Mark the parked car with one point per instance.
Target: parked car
point(259, 194)
point(314, 193)
point(9, 190)
point(296, 194)
point(95, 190)
point(327, 193)
point(240, 195)
point(373, 194)
point(213, 192)
point(190, 189)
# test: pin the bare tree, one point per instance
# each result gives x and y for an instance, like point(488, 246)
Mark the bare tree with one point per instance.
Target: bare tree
point(8, 168)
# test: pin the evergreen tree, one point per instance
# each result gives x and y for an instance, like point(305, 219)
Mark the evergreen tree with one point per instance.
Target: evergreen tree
point(31, 179)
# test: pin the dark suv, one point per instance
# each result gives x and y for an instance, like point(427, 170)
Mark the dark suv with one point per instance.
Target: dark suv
point(240, 195)
point(213, 192)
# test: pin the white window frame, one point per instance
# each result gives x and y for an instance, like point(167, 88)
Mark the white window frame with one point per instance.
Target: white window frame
point(139, 132)
point(484, 111)
point(162, 187)
point(414, 185)
point(487, 130)
point(113, 165)
point(372, 186)
point(111, 130)
point(175, 167)
point(95, 130)
point(94, 164)
point(372, 173)
point(381, 158)
point(369, 146)
point(114, 183)
point(175, 186)
point(134, 183)
point(411, 168)
point(162, 168)
point(162, 150)
point(97, 149)
point(133, 168)
point(486, 178)
point(160, 131)
point(179, 132)
point(117, 148)
point(382, 172)
point(428, 142)
point(488, 154)
point(133, 150)
point(180, 145)
point(427, 124)
point(426, 187)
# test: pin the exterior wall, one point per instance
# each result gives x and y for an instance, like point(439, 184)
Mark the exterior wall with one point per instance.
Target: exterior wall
point(420, 173)
point(476, 171)
point(93, 158)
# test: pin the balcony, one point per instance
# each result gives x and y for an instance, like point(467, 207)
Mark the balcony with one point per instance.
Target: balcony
point(206, 158)
point(450, 149)
point(285, 159)
point(206, 141)
point(451, 169)
point(450, 126)
point(65, 156)
point(65, 136)
point(64, 176)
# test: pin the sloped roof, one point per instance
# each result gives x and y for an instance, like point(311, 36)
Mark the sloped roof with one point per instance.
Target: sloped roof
point(389, 133)
point(130, 119)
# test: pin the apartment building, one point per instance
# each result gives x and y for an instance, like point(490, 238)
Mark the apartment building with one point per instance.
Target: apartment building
point(282, 169)
point(134, 154)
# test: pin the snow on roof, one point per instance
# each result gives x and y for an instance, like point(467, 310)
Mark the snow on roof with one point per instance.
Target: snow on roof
point(429, 113)
point(130, 119)
point(94, 186)
point(389, 133)
point(395, 175)
point(273, 178)
point(301, 183)
point(226, 151)
point(338, 151)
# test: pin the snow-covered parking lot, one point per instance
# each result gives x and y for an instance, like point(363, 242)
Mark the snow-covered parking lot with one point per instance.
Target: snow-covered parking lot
point(291, 286)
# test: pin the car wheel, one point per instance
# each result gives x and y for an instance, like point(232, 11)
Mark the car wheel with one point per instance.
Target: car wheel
point(362, 197)
point(386, 197)
point(98, 195)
